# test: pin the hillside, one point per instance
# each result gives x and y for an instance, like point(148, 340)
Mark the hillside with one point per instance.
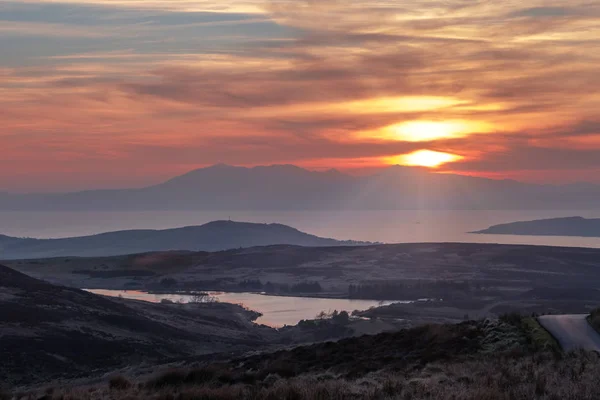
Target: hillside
point(213, 236)
point(51, 331)
point(508, 358)
point(570, 226)
point(287, 187)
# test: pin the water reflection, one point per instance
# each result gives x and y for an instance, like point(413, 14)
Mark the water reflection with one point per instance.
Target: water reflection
point(277, 310)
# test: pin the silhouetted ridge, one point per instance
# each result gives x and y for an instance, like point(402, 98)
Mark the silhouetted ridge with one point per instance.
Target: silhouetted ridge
point(213, 236)
point(11, 278)
point(288, 187)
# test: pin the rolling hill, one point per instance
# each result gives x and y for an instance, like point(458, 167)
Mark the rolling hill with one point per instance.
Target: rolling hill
point(213, 236)
point(51, 331)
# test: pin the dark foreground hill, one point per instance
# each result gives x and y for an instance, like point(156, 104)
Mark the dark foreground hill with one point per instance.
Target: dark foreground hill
point(570, 226)
point(49, 331)
point(509, 358)
point(213, 236)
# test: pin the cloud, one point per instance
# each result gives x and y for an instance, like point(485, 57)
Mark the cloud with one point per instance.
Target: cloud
point(13, 28)
point(540, 12)
point(249, 82)
point(232, 6)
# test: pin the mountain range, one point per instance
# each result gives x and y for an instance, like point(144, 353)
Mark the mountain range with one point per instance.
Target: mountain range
point(287, 187)
point(213, 236)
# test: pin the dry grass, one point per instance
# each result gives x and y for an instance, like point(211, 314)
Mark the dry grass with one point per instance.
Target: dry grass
point(541, 376)
point(119, 383)
point(501, 359)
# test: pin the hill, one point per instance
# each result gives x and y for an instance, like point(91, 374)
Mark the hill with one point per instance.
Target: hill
point(287, 187)
point(213, 236)
point(570, 226)
point(52, 331)
point(508, 358)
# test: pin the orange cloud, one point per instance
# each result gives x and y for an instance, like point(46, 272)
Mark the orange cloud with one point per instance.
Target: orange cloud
point(343, 84)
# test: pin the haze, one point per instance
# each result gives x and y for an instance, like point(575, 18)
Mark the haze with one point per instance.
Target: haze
point(128, 93)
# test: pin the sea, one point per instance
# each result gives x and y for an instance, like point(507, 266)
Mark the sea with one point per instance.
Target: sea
point(405, 226)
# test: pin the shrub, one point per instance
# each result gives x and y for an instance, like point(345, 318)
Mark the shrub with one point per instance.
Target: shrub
point(513, 318)
point(119, 383)
point(594, 319)
point(4, 395)
point(540, 338)
point(283, 368)
point(170, 378)
point(202, 375)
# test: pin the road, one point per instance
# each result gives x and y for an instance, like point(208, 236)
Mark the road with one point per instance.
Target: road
point(572, 331)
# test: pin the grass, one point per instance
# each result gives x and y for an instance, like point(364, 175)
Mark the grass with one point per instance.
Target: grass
point(509, 358)
point(541, 339)
point(541, 376)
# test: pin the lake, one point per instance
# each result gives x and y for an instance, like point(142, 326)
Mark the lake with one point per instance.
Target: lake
point(277, 310)
point(377, 226)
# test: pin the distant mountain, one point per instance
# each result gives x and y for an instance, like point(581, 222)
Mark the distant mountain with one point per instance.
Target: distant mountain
point(287, 187)
point(570, 226)
point(214, 236)
point(53, 331)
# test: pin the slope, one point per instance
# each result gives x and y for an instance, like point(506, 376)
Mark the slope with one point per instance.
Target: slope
point(52, 331)
point(213, 236)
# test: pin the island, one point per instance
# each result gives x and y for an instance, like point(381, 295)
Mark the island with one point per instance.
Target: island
point(213, 236)
point(568, 226)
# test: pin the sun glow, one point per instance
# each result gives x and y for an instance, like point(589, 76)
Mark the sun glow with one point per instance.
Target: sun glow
point(369, 106)
point(422, 131)
point(426, 130)
point(424, 158)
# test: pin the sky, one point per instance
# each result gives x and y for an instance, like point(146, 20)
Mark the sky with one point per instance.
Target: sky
point(122, 93)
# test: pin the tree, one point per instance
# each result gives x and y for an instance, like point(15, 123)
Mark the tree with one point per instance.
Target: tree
point(202, 297)
point(341, 318)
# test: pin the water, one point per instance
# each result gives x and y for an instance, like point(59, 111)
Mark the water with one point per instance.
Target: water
point(277, 310)
point(381, 226)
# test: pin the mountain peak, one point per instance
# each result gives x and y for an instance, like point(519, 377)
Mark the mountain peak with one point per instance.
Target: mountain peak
point(220, 166)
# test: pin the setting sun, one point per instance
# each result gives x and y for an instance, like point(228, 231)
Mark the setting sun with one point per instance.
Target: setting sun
point(424, 158)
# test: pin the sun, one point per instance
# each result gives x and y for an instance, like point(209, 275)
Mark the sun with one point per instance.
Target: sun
point(424, 158)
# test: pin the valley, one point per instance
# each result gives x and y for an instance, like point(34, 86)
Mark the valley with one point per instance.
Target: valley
point(450, 307)
point(459, 280)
